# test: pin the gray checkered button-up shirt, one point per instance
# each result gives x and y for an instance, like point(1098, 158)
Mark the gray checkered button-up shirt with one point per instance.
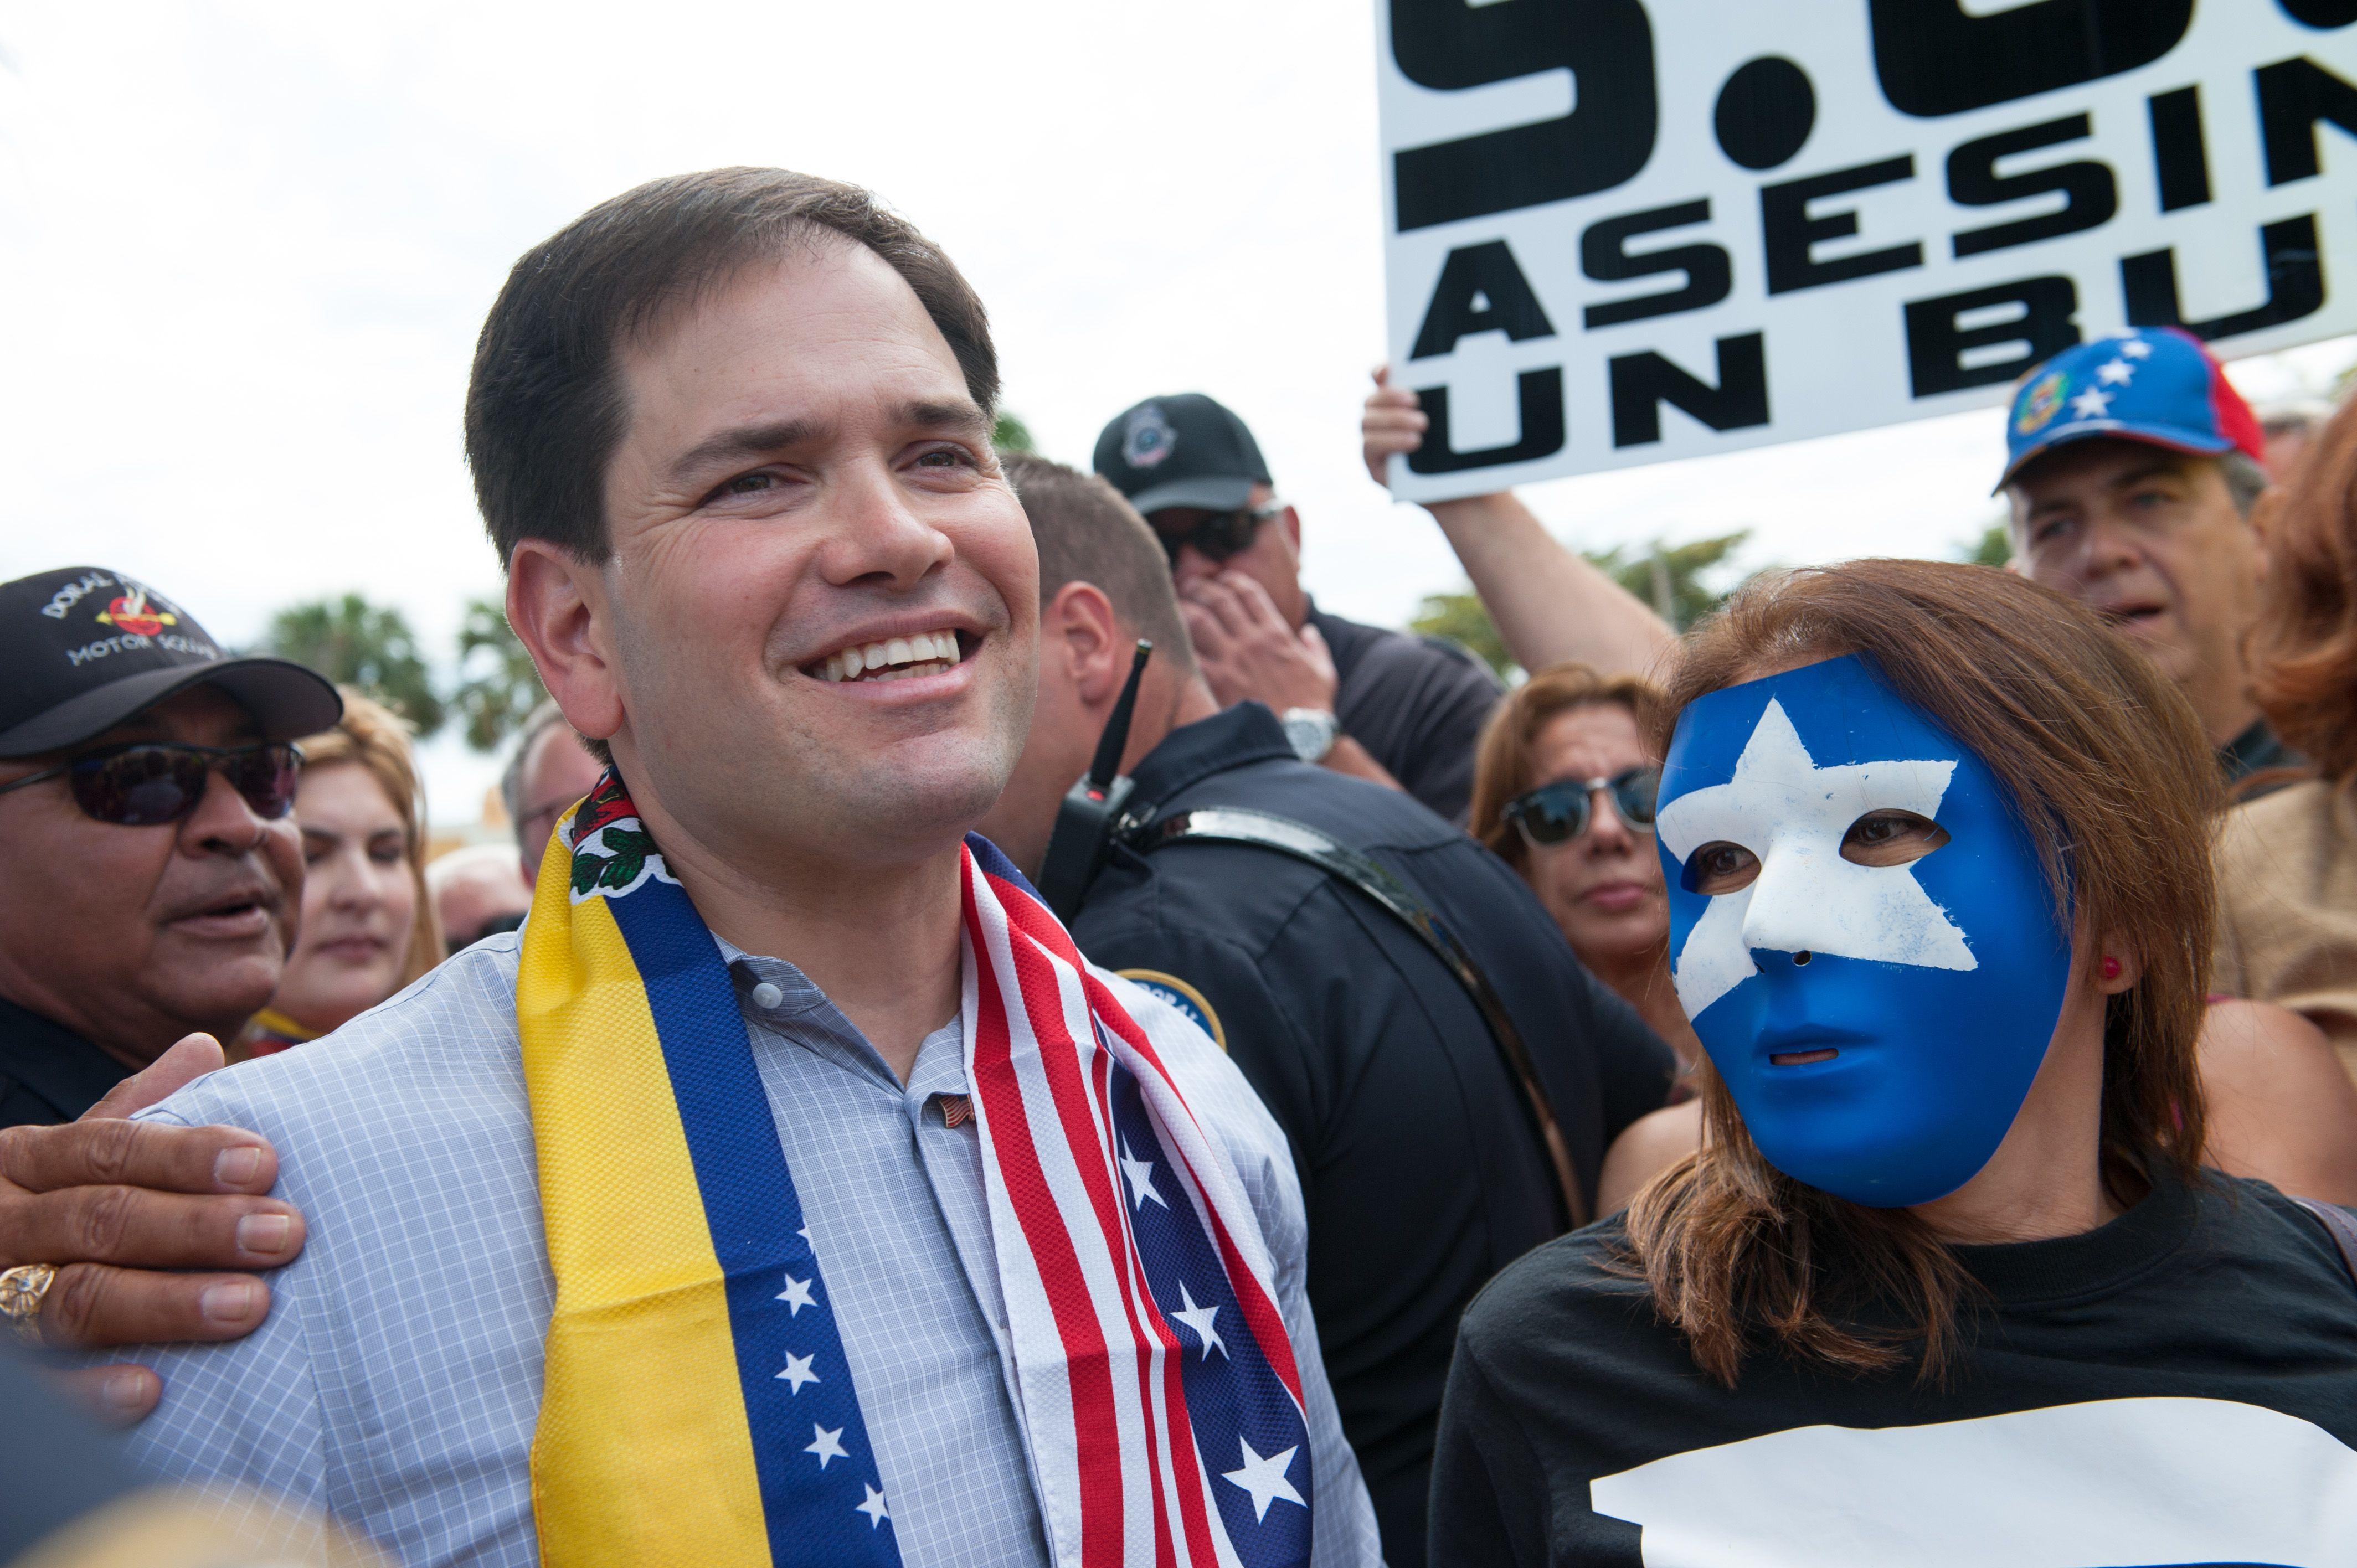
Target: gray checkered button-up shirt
point(397, 1380)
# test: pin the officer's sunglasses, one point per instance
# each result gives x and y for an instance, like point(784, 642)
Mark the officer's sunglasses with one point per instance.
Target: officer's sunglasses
point(1558, 812)
point(1219, 537)
point(151, 783)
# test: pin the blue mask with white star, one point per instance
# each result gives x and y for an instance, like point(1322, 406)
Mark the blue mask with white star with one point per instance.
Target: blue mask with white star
point(1878, 1018)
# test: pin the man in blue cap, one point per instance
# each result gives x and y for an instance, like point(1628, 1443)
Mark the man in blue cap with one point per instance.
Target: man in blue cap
point(2132, 467)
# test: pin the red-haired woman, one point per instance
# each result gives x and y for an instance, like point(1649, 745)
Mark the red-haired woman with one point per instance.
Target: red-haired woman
point(2288, 861)
point(1947, 1282)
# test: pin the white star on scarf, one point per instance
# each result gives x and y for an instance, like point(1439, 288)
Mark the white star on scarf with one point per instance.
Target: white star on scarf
point(1141, 1178)
point(873, 1508)
point(826, 1444)
point(1199, 1319)
point(1792, 814)
point(798, 1370)
point(2092, 404)
point(796, 1296)
point(2115, 372)
point(1264, 1478)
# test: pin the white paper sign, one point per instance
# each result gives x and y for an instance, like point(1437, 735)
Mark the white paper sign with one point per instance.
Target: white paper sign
point(1619, 231)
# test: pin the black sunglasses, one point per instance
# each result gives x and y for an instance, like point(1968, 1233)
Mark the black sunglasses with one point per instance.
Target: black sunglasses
point(152, 783)
point(1222, 535)
point(1558, 812)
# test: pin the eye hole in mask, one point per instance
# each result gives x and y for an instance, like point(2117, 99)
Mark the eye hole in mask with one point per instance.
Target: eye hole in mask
point(1881, 838)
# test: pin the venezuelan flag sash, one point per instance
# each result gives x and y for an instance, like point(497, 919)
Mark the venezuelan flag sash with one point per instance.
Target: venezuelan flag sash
point(699, 1407)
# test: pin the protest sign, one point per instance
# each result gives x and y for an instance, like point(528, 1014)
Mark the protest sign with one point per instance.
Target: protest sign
point(1619, 231)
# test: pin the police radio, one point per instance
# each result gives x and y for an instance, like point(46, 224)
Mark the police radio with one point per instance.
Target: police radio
point(1084, 822)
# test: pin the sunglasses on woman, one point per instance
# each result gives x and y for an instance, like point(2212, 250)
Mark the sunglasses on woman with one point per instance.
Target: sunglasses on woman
point(1558, 812)
point(151, 783)
point(1220, 536)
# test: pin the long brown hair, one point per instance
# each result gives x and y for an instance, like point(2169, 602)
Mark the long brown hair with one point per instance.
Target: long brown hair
point(2109, 771)
point(1502, 758)
point(374, 736)
point(2304, 649)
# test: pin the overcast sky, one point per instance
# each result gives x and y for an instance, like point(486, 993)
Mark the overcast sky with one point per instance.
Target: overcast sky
point(245, 252)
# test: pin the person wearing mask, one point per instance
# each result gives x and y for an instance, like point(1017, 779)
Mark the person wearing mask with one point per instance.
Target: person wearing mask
point(769, 1202)
point(2132, 469)
point(2288, 863)
point(1947, 1282)
point(1427, 1160)
point(367, 927)
point(478, 892)
point(1391, 708)
point(549, 770)
point(150, 873)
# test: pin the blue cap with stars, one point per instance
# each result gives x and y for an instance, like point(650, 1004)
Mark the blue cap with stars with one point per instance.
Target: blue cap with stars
point(2156, 384)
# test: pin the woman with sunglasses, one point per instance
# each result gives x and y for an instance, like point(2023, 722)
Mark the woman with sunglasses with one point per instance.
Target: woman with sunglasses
point(1563, 790)
point(368, 929)
point(1947, 1282)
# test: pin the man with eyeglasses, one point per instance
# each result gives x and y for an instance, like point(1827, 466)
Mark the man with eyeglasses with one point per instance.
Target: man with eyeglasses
point(150, 874)
point(1400, 711)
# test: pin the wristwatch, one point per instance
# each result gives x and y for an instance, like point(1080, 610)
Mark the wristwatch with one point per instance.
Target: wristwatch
point(1312, 732)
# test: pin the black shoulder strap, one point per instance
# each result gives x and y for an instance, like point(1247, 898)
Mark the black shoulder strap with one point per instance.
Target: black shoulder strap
point(2341, 1226)
point(1380, 885)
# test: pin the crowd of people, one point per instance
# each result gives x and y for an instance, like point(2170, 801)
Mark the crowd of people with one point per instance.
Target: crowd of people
point(1871, 1078)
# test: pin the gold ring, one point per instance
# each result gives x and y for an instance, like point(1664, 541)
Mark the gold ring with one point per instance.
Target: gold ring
point(21, 1289)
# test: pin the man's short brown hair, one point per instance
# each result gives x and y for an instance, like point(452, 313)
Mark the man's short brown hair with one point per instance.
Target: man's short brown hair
point(1085, 533)
point(545, 406)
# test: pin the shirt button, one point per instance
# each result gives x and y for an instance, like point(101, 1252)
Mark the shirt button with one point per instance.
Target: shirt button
point(766, 995)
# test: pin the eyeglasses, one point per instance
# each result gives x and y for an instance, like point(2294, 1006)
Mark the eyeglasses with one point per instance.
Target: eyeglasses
point(1220, 536)
point(1558, 812)
point(147, 785)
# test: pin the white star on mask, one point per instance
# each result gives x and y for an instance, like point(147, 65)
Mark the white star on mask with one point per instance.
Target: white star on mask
point(1793, 815)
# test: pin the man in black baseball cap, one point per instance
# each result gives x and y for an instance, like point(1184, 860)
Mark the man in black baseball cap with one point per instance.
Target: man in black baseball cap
point(150, 873)
point(1403, 711)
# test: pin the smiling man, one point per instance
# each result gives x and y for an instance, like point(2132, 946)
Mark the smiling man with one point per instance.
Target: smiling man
point(789, 1190)
point(2132, 467)
point(149, 873)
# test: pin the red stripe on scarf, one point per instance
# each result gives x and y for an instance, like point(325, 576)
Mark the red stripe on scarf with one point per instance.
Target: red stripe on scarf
point(1098, 1449)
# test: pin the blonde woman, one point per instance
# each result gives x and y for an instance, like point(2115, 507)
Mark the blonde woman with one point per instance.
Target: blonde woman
point(368, 929)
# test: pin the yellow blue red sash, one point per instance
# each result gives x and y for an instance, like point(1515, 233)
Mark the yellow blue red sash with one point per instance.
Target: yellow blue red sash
point(699, 1407)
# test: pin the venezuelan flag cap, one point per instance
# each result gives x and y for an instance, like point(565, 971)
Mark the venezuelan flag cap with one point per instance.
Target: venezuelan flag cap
point(2156, 384)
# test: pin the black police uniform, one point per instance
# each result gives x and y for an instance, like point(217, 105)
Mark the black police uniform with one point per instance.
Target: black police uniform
point(1418, 1155)
point(49, 1073)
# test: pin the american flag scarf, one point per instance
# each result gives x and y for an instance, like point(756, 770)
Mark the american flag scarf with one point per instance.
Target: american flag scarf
point(699, 1407)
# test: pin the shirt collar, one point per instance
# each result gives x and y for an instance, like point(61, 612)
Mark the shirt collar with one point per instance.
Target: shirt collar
point(53, 1062)
point(1228, 739)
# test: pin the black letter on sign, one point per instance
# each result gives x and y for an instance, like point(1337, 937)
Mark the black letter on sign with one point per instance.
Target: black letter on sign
point(2181, 160)
point(1642, 382)
point(1604, 256)
point(2321, 13)
point(1481, 290)
point(1932, 59)
point(2295, 284)
point(1605, 138)
point(1789, 234)
point(2089, 195)
point(1539, 393)
point(2294, 94)
point(1937, 339)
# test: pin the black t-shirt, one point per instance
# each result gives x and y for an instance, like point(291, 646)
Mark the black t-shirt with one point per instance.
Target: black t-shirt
point(49, 1073)
point(2257, 749)
point(1416, 1151)
point(2178, 1387)
point(1415, 703)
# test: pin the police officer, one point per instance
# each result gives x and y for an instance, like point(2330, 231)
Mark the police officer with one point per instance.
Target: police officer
point(1441, 1128)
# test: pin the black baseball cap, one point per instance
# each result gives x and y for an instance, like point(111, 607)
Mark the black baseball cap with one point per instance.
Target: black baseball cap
point(85, 649)
point(1181, 451)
